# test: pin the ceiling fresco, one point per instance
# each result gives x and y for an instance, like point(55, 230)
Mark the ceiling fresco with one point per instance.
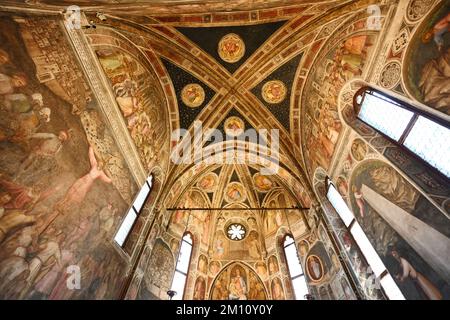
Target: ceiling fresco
point(258, 87)
point(267, 54)
point(276, 89)
point(192, 94)
point(169, 7)
point(227, 66)
point(154, 66)
point(231, 70)
point(344, 58)
point(221, 42)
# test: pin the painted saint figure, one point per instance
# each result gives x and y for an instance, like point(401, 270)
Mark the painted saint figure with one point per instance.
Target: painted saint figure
point(234, 126)
point(406, 270)
point(78, 191)
point(436, 33)
point(262, 182)
point(231, 48)
point(277, 290)
point(234, 193)
point(208, 182)
point(314, 267)
point(253, 246)
point(193, 95)
point(237, 287)
point(214, 268)
point(273, 265)
point(202, 264)
point(359, 198)
point(261, 270)
point(199, 289)
point(50, 145)
point(219, 249)
point(434, 83)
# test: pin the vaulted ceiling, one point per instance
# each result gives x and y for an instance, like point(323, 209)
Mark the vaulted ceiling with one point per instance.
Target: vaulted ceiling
point(246, 63)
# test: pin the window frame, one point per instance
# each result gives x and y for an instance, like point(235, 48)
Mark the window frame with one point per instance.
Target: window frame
point(136, 212)
point(189, 262)
point(243, 228)
point(329, 183)
point(291, 278)
point(416, 114)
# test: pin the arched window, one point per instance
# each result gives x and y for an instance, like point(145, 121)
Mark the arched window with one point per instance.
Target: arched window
point(182, 267)
point(132, 215)
point(295, 269)
point(424, 135)
point(373, 259)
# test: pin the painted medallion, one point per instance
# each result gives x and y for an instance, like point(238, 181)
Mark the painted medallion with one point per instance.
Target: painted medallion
point(234, 192)
point(193, 95)
point(208, 182)
point(262, 182)
point(231, 48)
point(234, 126)
point(359, 149)
point(274, 91)
point(314, 267)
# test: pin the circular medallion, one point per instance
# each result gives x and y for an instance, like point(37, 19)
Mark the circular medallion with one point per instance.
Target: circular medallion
point(418, 8)
point(234, 126)
point(390, 75)
point(236, 231)
point(262, 182)
point(234, 192)
point(273, 91)
point(208, 182)
point(231, 48)
point(193, 95)
point(314, 268)
point(359, 149)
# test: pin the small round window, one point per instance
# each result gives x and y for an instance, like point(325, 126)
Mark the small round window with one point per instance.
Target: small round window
point(236, 231)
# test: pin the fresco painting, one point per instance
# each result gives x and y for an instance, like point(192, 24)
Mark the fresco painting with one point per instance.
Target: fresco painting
point(416, 259)
point(322, 124)
point(428, 60)
point(238, 282)
point(63, 183)
point(141, 102)
point(158, 274)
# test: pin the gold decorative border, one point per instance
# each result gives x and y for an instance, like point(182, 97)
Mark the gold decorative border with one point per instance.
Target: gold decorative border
point(106, 102)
